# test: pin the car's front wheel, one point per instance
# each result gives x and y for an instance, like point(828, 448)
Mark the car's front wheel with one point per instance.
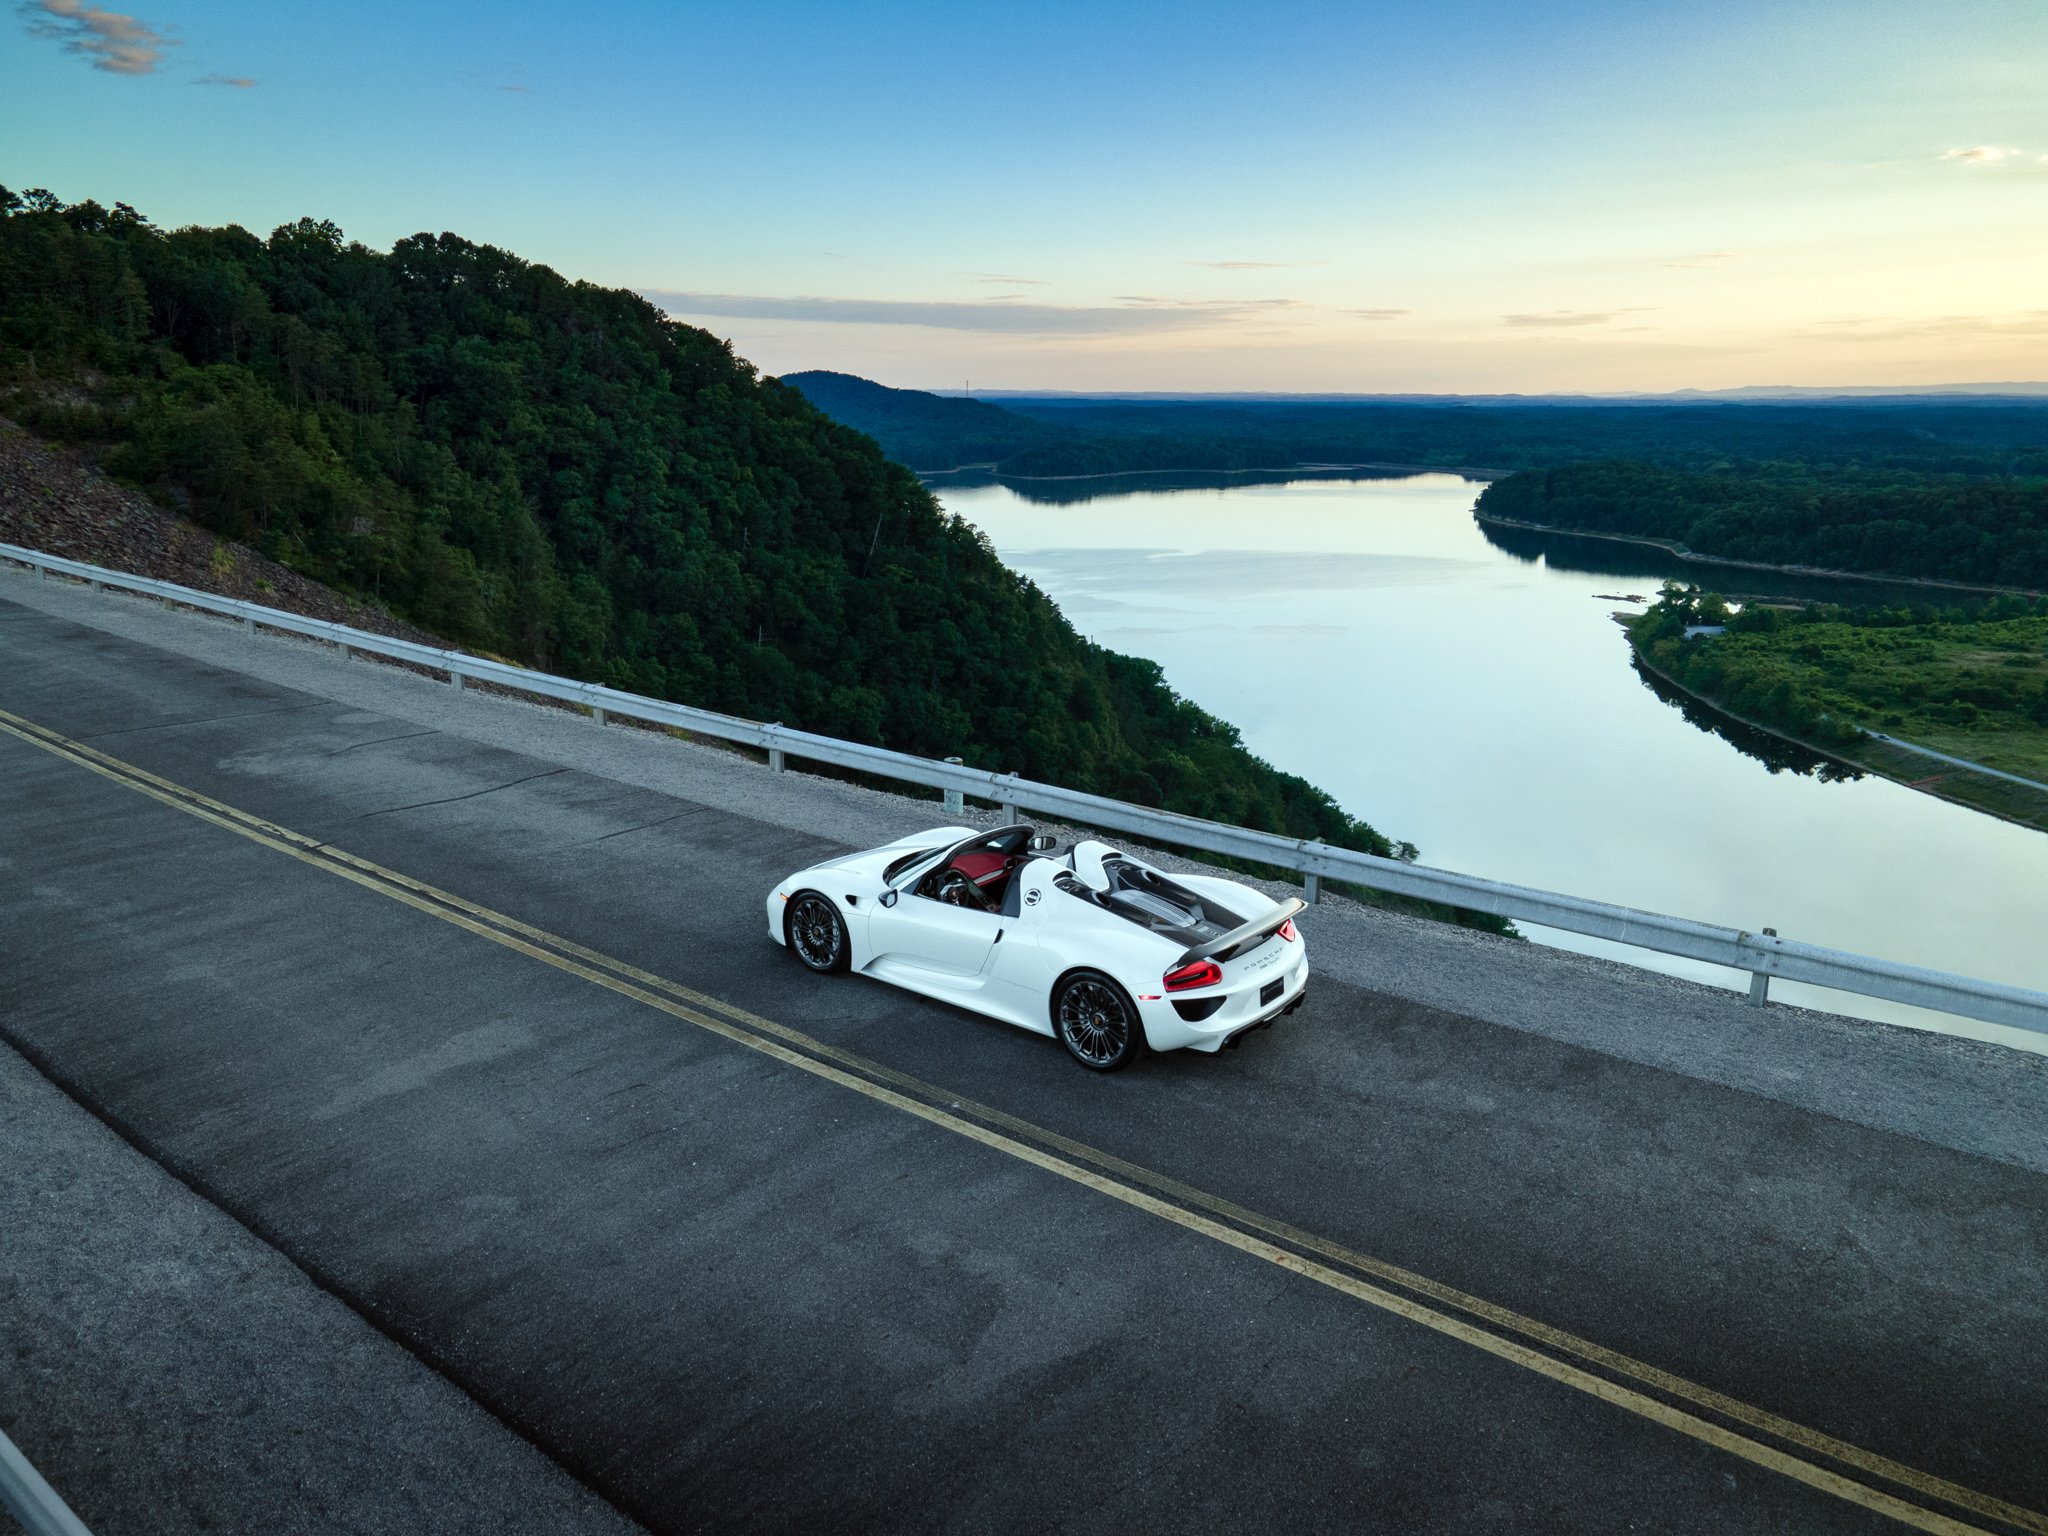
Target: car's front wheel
point(816, 933)
point(1097, 1022)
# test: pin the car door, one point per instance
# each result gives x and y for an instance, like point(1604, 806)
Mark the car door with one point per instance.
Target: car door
point(1021, 972)
point(918, 933)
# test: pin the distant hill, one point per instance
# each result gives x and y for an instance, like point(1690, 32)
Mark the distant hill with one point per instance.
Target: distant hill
point(920, 430)
point(1060, 436)
point(1989, 394)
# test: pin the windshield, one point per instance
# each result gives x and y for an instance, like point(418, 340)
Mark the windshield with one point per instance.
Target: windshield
point(999, 838)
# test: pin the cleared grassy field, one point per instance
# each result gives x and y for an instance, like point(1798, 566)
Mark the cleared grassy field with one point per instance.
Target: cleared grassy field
point(2000, 797)
point(1972, 689)
point(1973, 685)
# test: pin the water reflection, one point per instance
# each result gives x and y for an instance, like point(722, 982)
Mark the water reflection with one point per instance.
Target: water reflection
point(1243, 574)
point(1773, 751)
point(1590, 554)
point(1597, 557)
point(1065, 492)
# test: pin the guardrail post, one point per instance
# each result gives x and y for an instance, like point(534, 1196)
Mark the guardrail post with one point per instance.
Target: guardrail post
point(1760, 981)
point(346, 653)
point(248, 625)
point(596, 715)
point(1311, 879)
point(455, 680)
point(956, 803)
point(777, 763)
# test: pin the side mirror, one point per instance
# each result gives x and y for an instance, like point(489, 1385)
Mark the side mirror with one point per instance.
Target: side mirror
point(1040, 843)
point(888, 898)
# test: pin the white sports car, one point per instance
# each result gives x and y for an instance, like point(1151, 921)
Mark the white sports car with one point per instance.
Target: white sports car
point(1093, 946)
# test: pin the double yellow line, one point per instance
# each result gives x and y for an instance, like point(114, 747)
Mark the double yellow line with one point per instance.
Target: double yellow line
point(1756, 1435)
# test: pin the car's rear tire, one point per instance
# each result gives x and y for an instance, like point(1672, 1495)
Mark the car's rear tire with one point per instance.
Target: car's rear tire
point(816, 933)
point(1097, 1022)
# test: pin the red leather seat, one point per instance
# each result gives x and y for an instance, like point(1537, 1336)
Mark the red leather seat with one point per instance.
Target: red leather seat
point(989, 868)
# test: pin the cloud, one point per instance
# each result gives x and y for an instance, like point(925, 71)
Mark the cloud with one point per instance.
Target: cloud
point(1569, 317)
point(238, 82)
point(118, 44)
point(517, 90)
point(1946, 328)
point(1243, 266)
point(1981, 154)
point(1377, 314)
point(1006, 279)
point(1706, 259)
point(990, 315)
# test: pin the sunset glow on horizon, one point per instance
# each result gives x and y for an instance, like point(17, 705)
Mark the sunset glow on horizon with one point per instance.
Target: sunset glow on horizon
point(1396, 197)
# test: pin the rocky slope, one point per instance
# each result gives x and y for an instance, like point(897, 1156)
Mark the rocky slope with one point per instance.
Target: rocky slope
point(56, 501)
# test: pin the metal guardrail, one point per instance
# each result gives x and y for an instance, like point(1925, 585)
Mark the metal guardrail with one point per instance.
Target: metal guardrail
point(1762, 954)
point(24, 1495)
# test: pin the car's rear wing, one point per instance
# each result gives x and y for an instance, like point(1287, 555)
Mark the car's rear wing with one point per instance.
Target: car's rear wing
point(1224, 944)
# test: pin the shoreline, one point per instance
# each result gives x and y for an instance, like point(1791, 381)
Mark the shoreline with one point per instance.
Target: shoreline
point(1693, 557)
point(1275, 469)
point(1925, 786)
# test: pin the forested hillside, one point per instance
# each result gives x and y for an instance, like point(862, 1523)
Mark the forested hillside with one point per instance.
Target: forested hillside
point(1989, 529)
point(562, 474)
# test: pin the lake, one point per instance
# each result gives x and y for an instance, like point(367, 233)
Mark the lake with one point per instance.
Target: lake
point(1475, 696)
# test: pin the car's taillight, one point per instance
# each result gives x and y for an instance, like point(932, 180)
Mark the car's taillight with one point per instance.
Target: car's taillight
point(1197, 973)
point(1286, 931)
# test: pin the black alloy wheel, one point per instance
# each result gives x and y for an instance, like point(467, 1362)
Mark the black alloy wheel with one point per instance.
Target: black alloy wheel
point(816, 934)
point(1097, 1022)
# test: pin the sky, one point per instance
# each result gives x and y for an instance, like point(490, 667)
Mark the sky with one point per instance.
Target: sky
point(1439, 196)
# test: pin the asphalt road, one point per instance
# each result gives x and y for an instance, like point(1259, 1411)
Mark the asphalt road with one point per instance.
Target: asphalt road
point(176, 1373)
point(1386, 1267)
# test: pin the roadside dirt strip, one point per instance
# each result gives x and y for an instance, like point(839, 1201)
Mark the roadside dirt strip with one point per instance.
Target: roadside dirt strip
point(898, 1266)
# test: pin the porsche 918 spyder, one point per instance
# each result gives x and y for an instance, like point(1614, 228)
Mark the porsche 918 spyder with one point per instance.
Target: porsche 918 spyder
point(1092, 946)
